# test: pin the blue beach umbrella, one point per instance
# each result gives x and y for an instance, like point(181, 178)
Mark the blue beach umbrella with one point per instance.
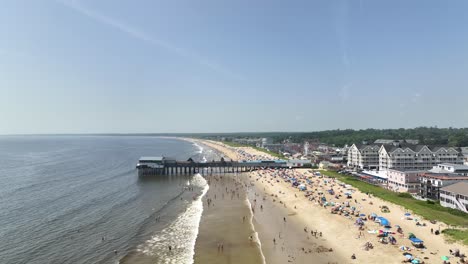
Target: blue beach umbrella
point(407, 214)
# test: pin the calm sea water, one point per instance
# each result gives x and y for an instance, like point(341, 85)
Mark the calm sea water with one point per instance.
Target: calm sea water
point(67, 199)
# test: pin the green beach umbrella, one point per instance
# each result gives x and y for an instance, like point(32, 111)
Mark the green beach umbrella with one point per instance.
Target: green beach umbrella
point(445, 258)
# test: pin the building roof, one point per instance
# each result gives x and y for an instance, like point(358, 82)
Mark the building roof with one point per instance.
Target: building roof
point(444, 176)
point(416, 148)
point(407, 170)
point(385, 141)
point(376, 174)
point(362, 147)
point(151, 158)
point(458, 188)
point(439, 170)
point(393, 141)
point(298, 161)
point(455, 166)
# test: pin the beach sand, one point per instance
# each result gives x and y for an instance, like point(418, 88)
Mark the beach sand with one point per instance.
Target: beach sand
point(338, 232)
point(226, 221)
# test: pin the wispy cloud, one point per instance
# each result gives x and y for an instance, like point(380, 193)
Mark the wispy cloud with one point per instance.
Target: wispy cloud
point(341, 24)
point(344, 92)
point(143, 36)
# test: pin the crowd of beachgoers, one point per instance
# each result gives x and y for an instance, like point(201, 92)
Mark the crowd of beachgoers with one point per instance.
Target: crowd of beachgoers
point(360, 227)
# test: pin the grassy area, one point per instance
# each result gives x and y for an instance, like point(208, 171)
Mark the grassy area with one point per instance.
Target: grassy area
point(428, 210)
point(457, 235)
point(237, 145)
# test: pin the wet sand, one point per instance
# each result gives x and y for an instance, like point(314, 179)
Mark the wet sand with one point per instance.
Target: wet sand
point(223, 223)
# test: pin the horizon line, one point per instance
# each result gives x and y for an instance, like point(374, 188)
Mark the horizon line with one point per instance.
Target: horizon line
point(220, 133)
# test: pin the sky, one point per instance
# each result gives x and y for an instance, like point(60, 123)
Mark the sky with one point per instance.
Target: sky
point(150, 66)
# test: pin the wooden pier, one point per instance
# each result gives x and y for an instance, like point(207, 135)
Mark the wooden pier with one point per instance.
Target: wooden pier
point(167, 166)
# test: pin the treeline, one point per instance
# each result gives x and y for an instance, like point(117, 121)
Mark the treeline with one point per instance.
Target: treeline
point(457, 137)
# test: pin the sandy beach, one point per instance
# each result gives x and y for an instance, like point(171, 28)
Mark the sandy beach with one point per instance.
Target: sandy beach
point(225, 224)
point(294, 229)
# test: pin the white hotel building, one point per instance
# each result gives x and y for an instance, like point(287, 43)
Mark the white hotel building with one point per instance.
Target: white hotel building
point(363, 157)
point(416, 157)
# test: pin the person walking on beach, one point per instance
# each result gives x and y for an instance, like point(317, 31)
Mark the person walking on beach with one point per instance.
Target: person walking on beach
point(274, 241)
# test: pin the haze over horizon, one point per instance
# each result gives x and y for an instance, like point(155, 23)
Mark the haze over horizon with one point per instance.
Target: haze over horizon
point(241, 66)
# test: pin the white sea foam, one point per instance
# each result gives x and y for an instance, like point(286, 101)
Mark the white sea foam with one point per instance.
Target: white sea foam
point(181, 234)
point(253, 228)
point(200, 148)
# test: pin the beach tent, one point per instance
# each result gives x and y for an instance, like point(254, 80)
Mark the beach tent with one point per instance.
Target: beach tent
point(383, 221)
point(416, 240)
point(418, 243)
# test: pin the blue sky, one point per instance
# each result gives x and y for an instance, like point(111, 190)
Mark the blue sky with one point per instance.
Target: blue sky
point(221, 66)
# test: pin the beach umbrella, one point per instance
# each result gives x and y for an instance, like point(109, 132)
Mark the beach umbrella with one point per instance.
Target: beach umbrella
point(362, 214)
point(408, 256)
point(407, 214)
point(373, 215)
point(444, 258)
point(416, 261)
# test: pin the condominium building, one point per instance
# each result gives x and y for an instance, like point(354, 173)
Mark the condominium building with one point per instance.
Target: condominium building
point(455, 196)
point(416, 157)
point(363, 156)
point(404, 180)
point(431, 183)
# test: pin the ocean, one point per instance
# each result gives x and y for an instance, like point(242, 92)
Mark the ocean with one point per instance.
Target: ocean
point(78, 199)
